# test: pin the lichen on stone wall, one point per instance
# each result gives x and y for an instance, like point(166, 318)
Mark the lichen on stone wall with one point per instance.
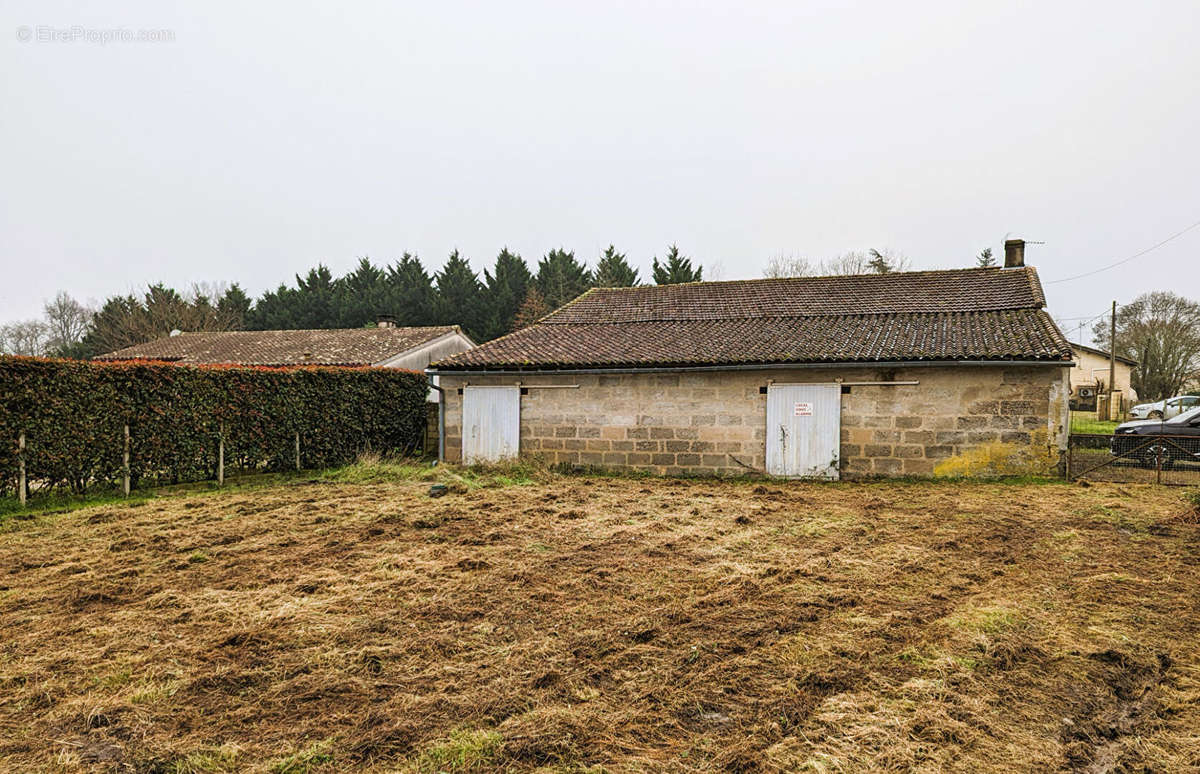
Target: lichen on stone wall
point(998, 459)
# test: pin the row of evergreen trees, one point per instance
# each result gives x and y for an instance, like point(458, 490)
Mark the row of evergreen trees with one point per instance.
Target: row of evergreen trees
point(509, 295)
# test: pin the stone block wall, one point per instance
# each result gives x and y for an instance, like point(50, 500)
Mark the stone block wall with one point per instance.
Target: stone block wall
point(714, 422)
point(908, 430)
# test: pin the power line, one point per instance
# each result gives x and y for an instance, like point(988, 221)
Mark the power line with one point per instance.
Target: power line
point(1127, 260)
point(1085, 318)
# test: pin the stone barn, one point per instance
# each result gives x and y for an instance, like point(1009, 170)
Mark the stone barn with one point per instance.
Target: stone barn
point(805, 377)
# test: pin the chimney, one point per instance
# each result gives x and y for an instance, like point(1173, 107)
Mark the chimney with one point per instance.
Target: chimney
point(1014, 253)
point(385, 321)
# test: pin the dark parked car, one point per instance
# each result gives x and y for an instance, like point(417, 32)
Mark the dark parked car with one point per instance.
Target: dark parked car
point(1150, 440)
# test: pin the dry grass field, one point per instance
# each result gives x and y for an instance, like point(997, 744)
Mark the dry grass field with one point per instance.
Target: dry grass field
point(353, 623)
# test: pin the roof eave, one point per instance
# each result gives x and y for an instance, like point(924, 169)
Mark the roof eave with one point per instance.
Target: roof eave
point(649, 368)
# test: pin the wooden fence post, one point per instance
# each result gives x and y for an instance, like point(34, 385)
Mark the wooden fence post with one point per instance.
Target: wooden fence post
point(221, 456)
point(297, 450)
point(21, 468)
point(125, 477)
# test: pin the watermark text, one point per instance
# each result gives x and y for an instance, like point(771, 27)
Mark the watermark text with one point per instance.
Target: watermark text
point(96, 36)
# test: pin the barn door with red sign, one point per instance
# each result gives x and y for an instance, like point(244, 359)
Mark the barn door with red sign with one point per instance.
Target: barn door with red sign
point(804, 426)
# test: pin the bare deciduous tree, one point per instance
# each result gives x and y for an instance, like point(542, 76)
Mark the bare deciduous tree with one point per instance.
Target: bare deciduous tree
point(852, 262)
point(26, 337)
point(67, 321)
point(1161, 331)
point(787, 265)
point(882, 261)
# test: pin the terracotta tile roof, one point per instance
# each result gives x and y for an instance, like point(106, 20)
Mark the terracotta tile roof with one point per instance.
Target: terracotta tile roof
point(969, 314)
point(354, 347)
point(964, 290)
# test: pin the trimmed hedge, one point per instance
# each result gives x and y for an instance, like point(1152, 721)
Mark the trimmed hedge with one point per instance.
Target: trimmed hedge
point(73, 414)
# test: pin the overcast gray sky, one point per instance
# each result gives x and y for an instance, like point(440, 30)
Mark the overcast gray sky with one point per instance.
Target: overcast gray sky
point(268, 136)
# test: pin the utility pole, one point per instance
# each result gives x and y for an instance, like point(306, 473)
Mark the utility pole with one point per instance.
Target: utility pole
point(1112, 361)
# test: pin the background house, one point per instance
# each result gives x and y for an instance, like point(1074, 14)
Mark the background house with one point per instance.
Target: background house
point(879, 374)
point(1090, 377)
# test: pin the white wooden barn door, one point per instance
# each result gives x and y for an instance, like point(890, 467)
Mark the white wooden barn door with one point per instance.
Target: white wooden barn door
point(804, 429)
point(491, 423)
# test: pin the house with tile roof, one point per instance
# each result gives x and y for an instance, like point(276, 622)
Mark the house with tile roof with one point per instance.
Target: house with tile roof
point(1089, 377)
point(385, 346)
point(882, 374)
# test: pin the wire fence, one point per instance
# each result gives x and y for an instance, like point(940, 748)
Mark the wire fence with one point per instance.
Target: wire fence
point(1159, 458)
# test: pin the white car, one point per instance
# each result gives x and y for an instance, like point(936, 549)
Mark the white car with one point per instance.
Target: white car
point(1165, 409)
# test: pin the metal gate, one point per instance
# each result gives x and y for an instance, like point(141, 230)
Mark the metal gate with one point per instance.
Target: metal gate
point(1148, 459)
point(491, 423)
point(804, 426)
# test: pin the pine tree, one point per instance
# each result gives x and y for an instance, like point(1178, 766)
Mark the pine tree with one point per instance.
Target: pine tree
point(675, 269)
point(316, 301)
point(506, 288)
point(613, 271)
point(533, 308)
point(311, 304)
point(880, 263)
point(163, 310)
point(561, 278)
point(459, 298)
point(361, 296)
point(233, 308)
point(409, 294)
point(985, 259)
point(113, 326)
point(274, 310)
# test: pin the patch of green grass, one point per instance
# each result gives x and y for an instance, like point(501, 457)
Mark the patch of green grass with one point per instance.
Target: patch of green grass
point(56, 503)
point(1114, 577)
point(1086, 422)
point(211, 761)
point(819, 524)
point(372, 469)
point(151, 692)
point(966, 662)
point(987, 620)
point(912, 655)
point(304, 761)
point(1120, 519)
point(113, 679)
point(465, 750)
